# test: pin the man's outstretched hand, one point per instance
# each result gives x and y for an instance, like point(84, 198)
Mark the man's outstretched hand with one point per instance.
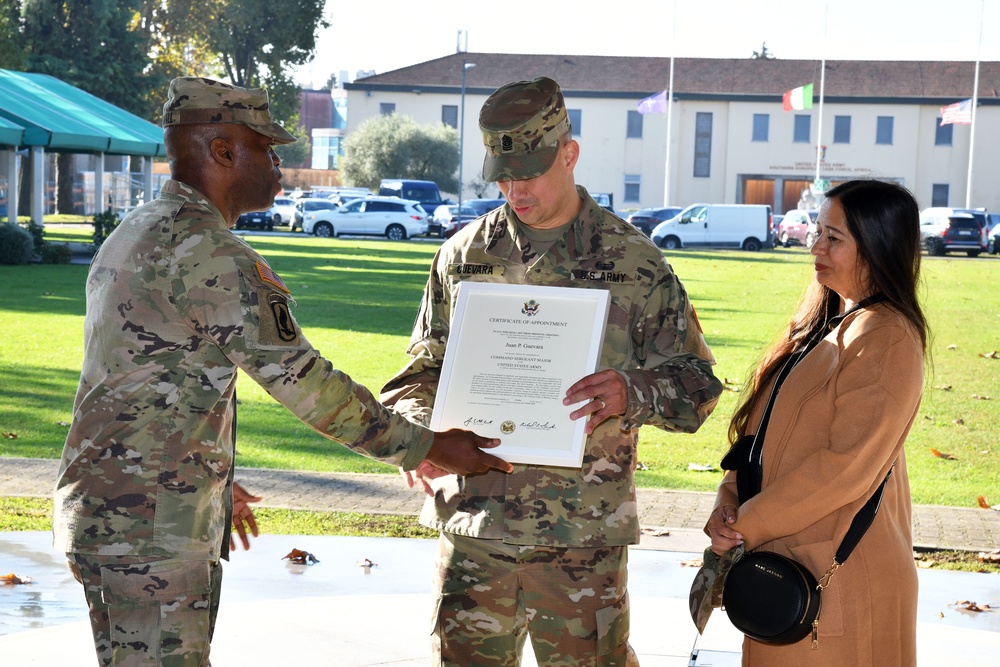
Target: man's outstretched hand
point(461, 452)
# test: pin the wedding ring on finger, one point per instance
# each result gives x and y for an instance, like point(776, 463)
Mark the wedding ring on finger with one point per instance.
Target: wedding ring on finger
point(603, 404)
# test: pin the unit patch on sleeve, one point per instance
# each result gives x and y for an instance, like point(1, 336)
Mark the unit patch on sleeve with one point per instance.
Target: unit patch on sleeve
point(475, 269)
point(277, 326)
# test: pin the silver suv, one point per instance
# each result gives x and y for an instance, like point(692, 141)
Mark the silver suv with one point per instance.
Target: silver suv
point(396, 219)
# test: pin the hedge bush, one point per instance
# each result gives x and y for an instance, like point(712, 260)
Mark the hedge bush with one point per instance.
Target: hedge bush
point(16, 246)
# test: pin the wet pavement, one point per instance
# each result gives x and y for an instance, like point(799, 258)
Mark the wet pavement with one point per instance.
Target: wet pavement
point(335, 613)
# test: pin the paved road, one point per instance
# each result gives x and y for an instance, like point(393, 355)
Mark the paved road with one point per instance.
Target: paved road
point(682, 513)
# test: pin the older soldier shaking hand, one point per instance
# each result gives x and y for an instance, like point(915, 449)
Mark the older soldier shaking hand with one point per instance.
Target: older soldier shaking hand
point(176, 305)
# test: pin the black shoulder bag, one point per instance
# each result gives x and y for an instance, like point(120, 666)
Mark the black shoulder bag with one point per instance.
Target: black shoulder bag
point(769, 597)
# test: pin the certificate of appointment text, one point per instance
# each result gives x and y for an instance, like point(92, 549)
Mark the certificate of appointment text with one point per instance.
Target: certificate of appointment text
point(512, 353)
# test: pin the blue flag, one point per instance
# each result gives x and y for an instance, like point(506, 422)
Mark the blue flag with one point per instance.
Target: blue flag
point(654, 103)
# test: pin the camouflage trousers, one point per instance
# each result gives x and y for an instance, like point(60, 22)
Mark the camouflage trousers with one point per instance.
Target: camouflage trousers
point(150, 613)
point(571, 602)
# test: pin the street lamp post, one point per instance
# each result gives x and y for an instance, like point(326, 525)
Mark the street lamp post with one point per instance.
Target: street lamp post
point(461, 135)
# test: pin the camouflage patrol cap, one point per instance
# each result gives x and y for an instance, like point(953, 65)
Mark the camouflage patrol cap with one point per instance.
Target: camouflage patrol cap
point(521, 125)
point(193, 99)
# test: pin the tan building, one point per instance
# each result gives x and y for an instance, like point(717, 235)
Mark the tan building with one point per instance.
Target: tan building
point(731, 141)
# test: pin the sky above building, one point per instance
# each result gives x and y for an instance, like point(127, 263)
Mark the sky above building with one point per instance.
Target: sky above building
point(389, 34)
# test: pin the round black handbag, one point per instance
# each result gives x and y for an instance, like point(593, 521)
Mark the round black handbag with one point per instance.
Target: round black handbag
point(771, 598)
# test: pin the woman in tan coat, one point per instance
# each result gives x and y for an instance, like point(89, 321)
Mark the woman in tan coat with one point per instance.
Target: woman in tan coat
point(837, 426)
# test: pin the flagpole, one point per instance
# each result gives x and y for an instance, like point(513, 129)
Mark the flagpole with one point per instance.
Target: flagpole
point(972, 122)
point(670, 108)
point(822, 85)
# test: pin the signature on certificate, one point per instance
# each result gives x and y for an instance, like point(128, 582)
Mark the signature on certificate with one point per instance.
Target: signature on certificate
point(477, 421)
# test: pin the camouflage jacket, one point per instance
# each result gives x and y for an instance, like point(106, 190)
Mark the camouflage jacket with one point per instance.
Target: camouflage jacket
point(176, 303)
point(652, 339)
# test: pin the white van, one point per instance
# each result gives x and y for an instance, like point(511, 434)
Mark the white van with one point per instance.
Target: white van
point(746, 226)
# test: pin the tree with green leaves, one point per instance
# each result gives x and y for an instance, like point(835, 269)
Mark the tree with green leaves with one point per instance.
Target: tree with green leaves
point(394, 146)
point(763, 54)
point(11, 48)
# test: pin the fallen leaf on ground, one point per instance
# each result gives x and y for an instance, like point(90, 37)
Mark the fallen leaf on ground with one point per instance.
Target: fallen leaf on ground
point(655, 532)
point(980, 398)
point(926, 564)
point(10, 436)
point(942, 455)
point(989, 556)
point(62, 423)
point(13, 579)
point(953, 347)
point(694, 562)
point(300, 557)
point(367, 562)
point(990, 355)
point(641, 466)
point(969, 605)
point(958, 422)
point(944, 387)
point(702, 467)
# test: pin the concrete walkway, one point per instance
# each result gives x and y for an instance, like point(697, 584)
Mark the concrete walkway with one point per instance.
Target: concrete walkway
point(682, 513)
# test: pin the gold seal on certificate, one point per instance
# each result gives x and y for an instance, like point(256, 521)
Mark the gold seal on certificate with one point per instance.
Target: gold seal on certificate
point(512, 353)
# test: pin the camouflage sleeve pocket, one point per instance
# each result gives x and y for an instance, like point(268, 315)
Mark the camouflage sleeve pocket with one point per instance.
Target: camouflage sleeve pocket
point(159, 580)
point(612, 626)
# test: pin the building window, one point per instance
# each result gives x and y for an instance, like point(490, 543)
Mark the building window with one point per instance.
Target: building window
point(387, 108)
point(703, 144)
point(761, 121)
point(634, 128)
point(841, 129)
point(575, 120)
point(939, 194)
point(632, 187)
point(883, 130)
point(803, 125)
point(449, 115)
point(942, 136)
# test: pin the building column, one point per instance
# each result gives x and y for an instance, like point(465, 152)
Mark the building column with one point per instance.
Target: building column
point(12, 185)
point(99, 205)
point(147, 180)
point(38, 185)
point(779, 195)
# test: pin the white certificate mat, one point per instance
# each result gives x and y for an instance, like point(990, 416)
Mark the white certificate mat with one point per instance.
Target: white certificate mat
point(512, 353)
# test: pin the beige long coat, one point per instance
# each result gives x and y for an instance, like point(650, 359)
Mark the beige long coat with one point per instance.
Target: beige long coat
point(838, 424)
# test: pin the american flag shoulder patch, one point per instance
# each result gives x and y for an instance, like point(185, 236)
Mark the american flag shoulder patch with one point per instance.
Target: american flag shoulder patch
point(269, 276)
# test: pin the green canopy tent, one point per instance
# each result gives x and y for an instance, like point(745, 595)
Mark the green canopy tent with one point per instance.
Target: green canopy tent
point(54, 116)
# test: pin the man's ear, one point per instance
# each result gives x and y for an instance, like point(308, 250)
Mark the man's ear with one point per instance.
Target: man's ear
point(222, 151)
point(571, 153)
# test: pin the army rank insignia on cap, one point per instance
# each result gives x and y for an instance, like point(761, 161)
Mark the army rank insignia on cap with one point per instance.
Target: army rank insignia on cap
point(506, 143)
point(269, 276)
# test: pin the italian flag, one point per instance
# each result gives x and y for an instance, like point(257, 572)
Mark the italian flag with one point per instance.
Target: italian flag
point(798, 98)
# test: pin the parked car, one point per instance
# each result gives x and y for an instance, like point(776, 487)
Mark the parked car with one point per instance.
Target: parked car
point(283, 211)
point(944, 230)
point(257, 219)
point(645, 219)
point(426, 193)
point(395, 218)
point(798, 227)
point(483, 206)
point(310, 205)
point(957, 232)
point(448, 219)
point(746, 226)
point(994, 238)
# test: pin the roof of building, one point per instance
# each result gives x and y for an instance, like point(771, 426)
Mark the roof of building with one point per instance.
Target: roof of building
point(40, 110)
point(704, 78)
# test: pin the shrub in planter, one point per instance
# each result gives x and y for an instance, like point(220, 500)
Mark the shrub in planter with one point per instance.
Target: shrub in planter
point(16, 246)
point(104, 224)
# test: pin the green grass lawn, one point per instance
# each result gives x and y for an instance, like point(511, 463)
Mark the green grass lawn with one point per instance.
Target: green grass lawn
point(356, 301)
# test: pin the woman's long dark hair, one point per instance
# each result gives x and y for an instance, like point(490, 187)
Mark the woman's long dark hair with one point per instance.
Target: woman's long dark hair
point(884, 220)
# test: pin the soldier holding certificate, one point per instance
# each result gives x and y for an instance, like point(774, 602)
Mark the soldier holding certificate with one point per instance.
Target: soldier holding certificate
point(542, 552)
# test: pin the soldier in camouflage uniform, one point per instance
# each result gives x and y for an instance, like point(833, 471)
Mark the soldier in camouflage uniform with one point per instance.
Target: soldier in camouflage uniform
point(542, 552)
point(176, 304)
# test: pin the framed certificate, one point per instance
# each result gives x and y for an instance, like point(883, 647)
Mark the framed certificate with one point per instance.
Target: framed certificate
point(512, 353)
